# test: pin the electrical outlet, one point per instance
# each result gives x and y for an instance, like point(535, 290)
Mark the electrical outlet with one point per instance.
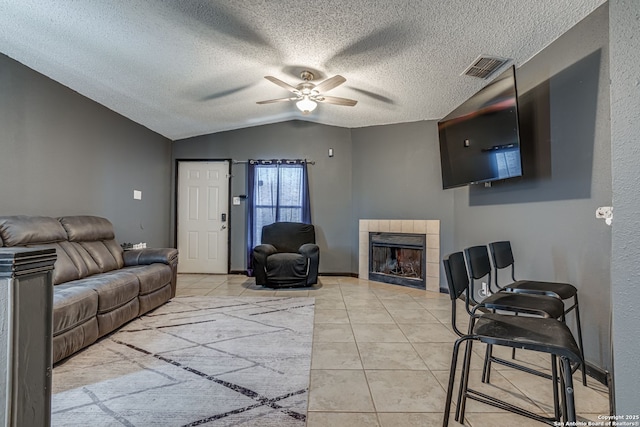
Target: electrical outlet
point(485, 289)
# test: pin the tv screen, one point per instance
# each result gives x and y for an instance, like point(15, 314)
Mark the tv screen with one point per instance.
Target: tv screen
point(479, 140)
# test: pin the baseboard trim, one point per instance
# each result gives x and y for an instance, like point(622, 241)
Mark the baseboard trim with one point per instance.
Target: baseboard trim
point(603, 377)
point(339, 274)
point(598, 374)
point(243, 272)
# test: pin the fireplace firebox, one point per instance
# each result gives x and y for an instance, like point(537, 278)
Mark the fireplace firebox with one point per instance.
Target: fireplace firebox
point(398, 258)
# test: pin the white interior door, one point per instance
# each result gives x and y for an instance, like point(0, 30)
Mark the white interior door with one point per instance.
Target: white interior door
point(203, 199)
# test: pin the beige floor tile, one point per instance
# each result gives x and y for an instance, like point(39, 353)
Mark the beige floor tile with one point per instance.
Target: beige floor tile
point(330, 316)
point(253, 293)
point(412, 316)
point(428, 332)
point(501, 418)
point(354, 303)
point(332, 332)
point(390, 356)
point(434, 303)
point(405, 391)
point(226, 291)
point(531, 359)
point(499, 388)
point(385, 332)
point(392, 304)
point(340, 386)
point(342, 419)
point(419, 419)
point(216, 278)
point(442, 314)
point(368, 315)
point(391, 295)
point(539, 390)
point(329, 304)
point(437, 355)
point(188, 292)
point(339, 391)
point(335, 355)
point(293, 293)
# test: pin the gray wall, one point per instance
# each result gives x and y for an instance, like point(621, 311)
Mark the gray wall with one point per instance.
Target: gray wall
point(550, 219)
point(624, 24)
point(396, 175)
point(329, 180)
point(63, 154)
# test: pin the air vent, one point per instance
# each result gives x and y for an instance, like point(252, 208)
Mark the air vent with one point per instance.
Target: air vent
point(483, 66)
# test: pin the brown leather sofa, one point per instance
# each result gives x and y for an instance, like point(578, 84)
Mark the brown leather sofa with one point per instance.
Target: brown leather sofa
point(98, 287)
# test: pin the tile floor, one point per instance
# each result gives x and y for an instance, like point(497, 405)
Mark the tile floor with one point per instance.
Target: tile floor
point(381, 357)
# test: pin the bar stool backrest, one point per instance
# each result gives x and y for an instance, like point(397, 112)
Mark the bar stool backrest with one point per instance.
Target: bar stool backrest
point(458, 282)
point(502, 257)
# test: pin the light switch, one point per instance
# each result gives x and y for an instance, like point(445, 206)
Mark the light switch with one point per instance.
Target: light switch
point(137, 194)
point(236, 201)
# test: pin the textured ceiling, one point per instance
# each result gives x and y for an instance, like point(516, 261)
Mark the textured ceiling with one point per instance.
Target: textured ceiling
point(186, 68)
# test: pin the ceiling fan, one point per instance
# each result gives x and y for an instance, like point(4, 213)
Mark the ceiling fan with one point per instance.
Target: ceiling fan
point(308, 94)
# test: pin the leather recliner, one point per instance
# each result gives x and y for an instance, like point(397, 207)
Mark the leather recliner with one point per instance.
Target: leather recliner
point(287, 257)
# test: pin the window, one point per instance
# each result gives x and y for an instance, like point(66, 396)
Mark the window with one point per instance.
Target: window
point(278, 192)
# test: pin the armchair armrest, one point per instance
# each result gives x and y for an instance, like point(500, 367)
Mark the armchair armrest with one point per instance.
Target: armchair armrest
point(259, 262)
point(145, 256)
point(312, 252)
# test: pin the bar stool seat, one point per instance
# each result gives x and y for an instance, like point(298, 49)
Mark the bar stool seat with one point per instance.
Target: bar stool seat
point(562, 290)
point(535, 334)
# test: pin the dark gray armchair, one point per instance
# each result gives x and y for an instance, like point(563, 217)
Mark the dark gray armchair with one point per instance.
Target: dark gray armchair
point(287, 257)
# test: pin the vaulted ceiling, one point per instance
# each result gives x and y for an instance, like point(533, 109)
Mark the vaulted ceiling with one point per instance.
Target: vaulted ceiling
point(190, 67)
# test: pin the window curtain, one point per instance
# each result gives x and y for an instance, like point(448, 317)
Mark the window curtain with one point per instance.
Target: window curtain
point(278, 191)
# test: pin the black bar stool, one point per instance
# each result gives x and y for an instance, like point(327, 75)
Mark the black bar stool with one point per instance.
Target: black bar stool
point(517, 303)
point(502, 257)
point(544, 335)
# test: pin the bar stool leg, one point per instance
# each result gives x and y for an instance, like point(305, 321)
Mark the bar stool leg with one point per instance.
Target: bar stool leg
point(486, 369)
point(464, 384)
point(584, 368)
point(568, 391)
point(554, 379)
point(452, 375)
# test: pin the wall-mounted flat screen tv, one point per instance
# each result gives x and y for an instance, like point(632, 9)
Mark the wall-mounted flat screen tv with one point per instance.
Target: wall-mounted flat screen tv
point(479, 140)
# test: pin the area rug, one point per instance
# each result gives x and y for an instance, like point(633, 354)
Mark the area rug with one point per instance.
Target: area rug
point(210, 361)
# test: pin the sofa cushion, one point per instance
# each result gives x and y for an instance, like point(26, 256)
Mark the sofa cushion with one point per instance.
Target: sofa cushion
point(73, 304)
point(65, 269)
point(94, 240)
point(114, 289)
point(67, 343)
point(102, 256)
point(152, 277)
point(85, 228)
point(24, 230)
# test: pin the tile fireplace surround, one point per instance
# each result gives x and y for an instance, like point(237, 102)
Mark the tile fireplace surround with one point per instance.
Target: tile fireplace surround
point(430, 228)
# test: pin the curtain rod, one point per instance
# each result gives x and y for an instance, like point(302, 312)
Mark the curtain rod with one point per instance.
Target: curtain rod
point(235, 162)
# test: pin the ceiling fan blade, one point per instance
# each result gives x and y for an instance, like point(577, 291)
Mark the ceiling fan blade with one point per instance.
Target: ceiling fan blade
point(271, 101)
point(330, 83)
point(282, 84)
point(336, 100)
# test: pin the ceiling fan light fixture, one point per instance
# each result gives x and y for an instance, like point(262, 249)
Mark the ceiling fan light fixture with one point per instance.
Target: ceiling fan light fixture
point(306, 105)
